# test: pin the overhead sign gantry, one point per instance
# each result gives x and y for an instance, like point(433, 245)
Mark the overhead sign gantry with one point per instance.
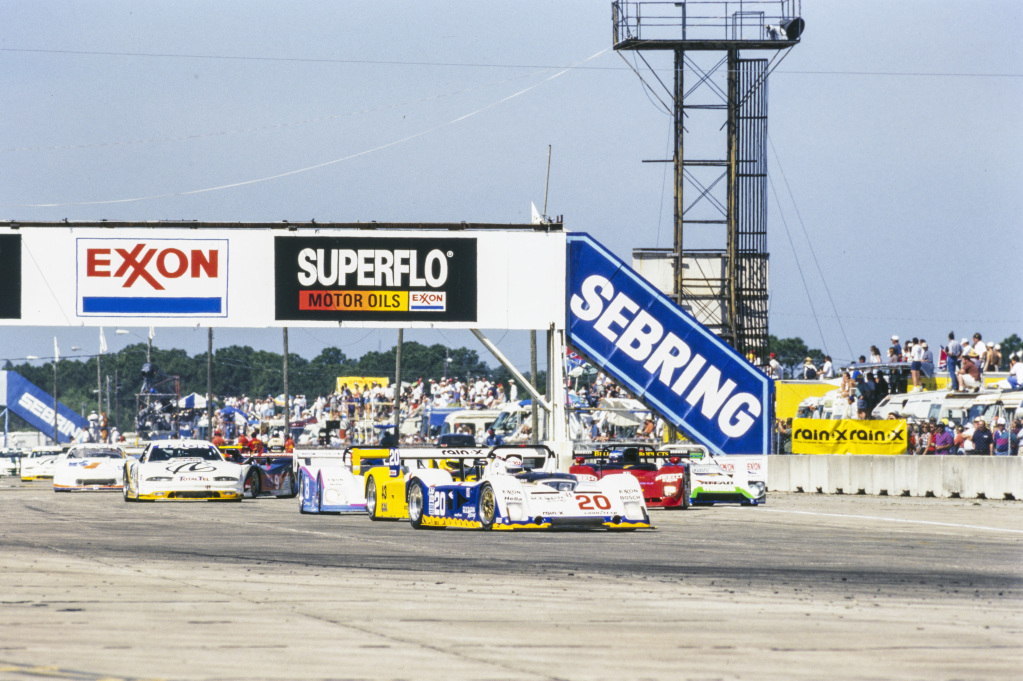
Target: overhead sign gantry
point(457, 276)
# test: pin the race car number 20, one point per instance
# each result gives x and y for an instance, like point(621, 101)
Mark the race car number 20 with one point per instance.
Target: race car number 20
point(593, 502)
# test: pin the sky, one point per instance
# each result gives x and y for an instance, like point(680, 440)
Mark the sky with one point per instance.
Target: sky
point(895, 156)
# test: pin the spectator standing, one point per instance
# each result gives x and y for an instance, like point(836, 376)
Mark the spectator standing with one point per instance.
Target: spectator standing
point(881, 387)
point(916, 361)
point(953, 352)
point(928, 355)
point(981, 439)
point(809, 372)
point(959, 441)
point(897, 348)
point(774, 367)
point(991, 360)
point(923, 440)
point(943, 440)
point(1000, 439)
point(980, 347)
point(827, 369)
point(875, 355)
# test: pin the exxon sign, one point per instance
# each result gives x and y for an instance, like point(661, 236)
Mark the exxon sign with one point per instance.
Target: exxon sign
point(663, 355)
point(152, 277)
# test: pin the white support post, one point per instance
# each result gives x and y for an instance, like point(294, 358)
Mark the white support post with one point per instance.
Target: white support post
point(557, 432)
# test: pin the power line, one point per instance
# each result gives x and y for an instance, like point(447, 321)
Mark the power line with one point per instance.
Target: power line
point(380, 62)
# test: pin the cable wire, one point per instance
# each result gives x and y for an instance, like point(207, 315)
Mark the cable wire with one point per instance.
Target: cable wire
point(306, 169)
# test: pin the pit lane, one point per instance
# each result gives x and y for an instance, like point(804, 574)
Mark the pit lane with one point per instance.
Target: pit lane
point(806, 587)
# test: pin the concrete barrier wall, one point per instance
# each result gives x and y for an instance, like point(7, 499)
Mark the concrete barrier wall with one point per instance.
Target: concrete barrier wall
point(970, 477)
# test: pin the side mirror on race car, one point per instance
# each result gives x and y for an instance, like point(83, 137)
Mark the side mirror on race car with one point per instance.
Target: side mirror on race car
point(675, 459)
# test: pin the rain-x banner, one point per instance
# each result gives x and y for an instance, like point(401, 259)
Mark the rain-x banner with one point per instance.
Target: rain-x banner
point(375, 279)
point(846, 436)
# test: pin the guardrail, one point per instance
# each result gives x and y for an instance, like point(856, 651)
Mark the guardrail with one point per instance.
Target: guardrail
point(966, 477)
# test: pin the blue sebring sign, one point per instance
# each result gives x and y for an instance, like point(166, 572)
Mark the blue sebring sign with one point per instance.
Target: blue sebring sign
point(663, 355)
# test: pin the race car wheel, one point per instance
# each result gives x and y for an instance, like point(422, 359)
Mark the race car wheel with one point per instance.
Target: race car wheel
point(487, 509)
point(371, 499)
point(252, 485)
point(290, 485)
point(124, 488)
point(302, 486)
point(416, 504)
point(687, 489)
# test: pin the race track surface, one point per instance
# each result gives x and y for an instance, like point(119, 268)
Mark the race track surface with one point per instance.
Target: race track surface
point(809, 586)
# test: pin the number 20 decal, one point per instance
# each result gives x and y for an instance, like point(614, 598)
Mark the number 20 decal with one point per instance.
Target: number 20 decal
point(591, 502)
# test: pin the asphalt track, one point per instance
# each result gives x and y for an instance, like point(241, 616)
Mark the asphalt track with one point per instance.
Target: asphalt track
point(809, 586)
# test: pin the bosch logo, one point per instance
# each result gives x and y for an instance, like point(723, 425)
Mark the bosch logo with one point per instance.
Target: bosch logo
point(152, 277)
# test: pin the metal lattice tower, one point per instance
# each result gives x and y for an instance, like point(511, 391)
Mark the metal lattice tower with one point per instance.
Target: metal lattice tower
point(719, 257)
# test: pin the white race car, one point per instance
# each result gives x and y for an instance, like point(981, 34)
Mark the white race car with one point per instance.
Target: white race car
point(183, 469)
point(520, 488)
point(327, 484)
point(92, 467)
point(39, 463)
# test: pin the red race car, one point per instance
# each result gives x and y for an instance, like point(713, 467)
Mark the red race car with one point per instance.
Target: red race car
point(664, 479)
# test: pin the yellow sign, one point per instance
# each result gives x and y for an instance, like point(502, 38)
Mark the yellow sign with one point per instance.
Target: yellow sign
point(847, 436)
point(361, 381)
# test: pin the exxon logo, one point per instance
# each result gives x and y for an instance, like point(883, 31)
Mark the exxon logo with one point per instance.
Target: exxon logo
point(152, 277)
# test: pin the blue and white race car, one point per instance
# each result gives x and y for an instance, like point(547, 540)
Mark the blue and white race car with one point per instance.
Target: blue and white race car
point(520, 488)
point(90, 467)
point(326, 483)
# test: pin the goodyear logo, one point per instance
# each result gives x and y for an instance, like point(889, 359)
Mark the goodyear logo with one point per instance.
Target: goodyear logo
point(152, 277)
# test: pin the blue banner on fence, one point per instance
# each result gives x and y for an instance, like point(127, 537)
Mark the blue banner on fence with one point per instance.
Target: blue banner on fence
point(663, 355)
point(26, 400)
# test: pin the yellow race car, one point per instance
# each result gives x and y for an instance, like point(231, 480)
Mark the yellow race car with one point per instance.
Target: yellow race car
point(386, 493)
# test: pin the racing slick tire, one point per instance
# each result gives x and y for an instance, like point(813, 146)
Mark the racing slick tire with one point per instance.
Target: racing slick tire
point(486, 509)
point(124, 488)
point(291, 485)
point(687, 490)
point(416, 504)
point(302, 485)
point(251, 488)
point(371, 499)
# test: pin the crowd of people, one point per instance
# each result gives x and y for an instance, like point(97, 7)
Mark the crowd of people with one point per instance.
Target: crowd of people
point(971, 439)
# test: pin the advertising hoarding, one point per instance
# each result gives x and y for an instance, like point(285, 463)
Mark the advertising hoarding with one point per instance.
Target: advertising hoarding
point(663, 355)
point(262, 276)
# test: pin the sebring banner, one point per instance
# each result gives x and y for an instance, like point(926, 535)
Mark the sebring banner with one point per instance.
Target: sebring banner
point(663, 355)
point(844, 436)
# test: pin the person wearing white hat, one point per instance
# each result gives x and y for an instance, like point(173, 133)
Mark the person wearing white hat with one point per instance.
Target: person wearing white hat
point(896, 347)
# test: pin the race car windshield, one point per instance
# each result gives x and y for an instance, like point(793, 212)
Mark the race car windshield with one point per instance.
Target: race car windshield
point(167, 453)
point(95, 454)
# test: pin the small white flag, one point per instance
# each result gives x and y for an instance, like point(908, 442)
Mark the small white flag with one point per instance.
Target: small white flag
point(56, 350)
point(102, 341)
point(537, 218)
point(152, 332)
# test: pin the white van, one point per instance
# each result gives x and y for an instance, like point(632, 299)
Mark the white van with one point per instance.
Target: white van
point(472, 421)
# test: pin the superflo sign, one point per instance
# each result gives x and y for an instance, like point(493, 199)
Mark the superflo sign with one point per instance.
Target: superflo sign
point(378, 279)
point(152, 277)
